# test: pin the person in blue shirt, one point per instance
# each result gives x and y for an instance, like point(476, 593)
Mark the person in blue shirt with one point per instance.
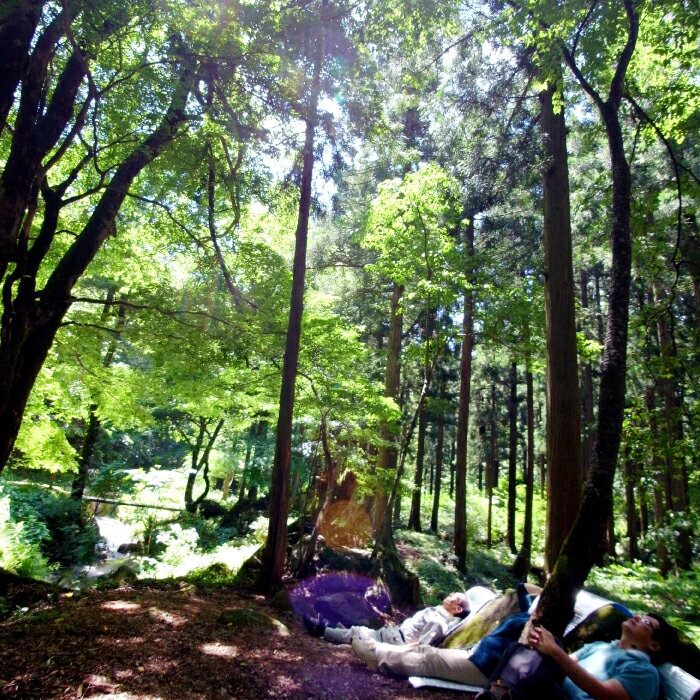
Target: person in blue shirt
point(620, 670)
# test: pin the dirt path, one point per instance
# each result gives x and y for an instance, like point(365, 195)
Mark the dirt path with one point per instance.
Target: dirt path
point(144, 643)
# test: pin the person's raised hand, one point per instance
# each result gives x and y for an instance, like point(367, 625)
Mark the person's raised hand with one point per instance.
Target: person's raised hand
point(541, 639)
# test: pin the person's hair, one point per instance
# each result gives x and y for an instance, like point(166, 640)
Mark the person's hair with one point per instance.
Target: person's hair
point(666, 637)
point(464, 602)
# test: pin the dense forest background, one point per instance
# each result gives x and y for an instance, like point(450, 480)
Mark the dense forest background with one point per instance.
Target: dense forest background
point(325, 274)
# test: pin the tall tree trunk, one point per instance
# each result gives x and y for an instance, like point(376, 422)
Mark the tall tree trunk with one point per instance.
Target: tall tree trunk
point(563, 406)
point(332, 470)
point(598, 276)
point(387, 457)
point(18, 23)
point(512, 455)
point(492, 466)
point(274, 555)
point(588, 432)
point(691, 259)
point(439, 448)
point(92, 431)
point(465, 378)
point(403, 584)
point(586, 541)
point(643, 509)
point(414, 515)
point(521, 566)
point(660, 479)
point(673, 432)
point(630, 508)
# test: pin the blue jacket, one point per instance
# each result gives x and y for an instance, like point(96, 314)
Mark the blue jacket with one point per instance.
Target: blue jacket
point(490, 649)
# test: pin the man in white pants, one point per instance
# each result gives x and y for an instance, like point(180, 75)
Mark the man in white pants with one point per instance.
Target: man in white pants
point(425, 627)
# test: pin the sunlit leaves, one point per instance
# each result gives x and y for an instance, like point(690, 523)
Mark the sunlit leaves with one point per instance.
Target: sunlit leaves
point(411, 226)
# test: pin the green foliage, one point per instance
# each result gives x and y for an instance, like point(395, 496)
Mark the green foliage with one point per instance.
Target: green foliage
point(410, 226)
point(55, 524)
point(433, 563)
point(175, 346)
point(20, 551)
point(112, 480)
point(213, 576)
point(641, 588)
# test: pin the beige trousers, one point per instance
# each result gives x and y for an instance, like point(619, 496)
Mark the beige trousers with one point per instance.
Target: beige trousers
point(423, 660)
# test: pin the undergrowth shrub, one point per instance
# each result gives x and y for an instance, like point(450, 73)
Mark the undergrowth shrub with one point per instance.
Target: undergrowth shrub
point(55, 524)
point(20, 551)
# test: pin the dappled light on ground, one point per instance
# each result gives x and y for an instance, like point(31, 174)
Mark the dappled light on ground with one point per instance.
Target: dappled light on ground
point(167, 617)
point(121, 605)
point(284, 686)
point(124, 644)
point(217, 649)
point(134, 641)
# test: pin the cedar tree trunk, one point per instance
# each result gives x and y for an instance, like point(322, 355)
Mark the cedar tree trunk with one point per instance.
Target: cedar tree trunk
point(586, 542)
point(563, 405)
point(465, 378)
point(275, 553)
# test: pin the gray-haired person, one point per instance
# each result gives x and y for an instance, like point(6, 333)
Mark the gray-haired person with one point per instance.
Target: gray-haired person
point(425, 627)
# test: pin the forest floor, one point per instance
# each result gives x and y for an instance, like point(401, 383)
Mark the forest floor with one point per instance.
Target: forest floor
point(146, 641)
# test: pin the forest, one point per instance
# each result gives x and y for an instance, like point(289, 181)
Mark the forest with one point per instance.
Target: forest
point(402, 287)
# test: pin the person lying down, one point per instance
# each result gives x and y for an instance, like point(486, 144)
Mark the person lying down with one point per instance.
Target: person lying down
point(619, 670)
point(425, 627)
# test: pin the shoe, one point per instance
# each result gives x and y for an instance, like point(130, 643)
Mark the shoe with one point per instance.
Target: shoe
point(315, 625)
point(365, 651)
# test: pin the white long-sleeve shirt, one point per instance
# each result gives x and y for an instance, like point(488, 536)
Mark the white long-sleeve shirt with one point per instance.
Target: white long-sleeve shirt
point(426, 625)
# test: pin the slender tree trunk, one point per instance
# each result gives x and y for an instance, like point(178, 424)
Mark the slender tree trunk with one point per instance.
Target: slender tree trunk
point(439, 446)
point(246, 468)
point(274, 555)
point(465, 378)
point(588, 427)
point(673, 432)
point(492, 466)
point(194, 469)
point(643, 510)
point(92, 431)
point(512, 455)
point(631, 508)
point(563, 405)
point(598, 276)
point(414, 515)
point(691, 259)
point(522, 564)
point(331, 482)
point(660, 480)
point(431, 476)
point(542, 461)
point(18, 23)
point(387, 457)
point(586, 541)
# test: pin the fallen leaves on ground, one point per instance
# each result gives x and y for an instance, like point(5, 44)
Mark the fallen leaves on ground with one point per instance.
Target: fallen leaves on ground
point(166, 643)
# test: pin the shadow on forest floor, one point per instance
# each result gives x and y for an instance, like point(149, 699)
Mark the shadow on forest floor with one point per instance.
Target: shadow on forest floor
point(143, 642)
